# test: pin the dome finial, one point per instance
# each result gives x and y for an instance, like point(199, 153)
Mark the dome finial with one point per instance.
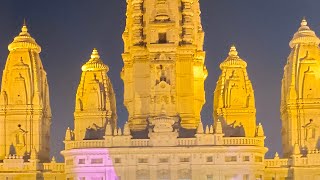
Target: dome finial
point(95, 54)
point(233, 51)
point(304, 22)
point(24, 28)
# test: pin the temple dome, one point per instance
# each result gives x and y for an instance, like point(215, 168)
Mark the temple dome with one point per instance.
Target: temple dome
point(304, 35)
point(95, 63)
point(24, 41)
point(233, 60)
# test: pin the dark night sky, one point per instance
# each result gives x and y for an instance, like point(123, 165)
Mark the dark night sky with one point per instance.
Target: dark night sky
point(67, 31)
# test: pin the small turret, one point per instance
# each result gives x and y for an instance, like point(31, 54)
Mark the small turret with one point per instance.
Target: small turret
point(276, 155)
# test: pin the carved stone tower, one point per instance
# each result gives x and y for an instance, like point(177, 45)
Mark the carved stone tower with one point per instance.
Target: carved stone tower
point(25, 114)
point(163, 61)
point(234, 103)
point(300, 94)
point(95, 101)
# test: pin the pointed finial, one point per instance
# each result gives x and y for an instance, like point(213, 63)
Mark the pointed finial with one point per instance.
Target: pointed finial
point(304, 22)
point(260, 131)
point(115, 132)
point(276, 155)
point(218, 129)
point(119, 132)
point(233, 51)
point(126, 129)
point(53, 160)
point(108, 131)
point(207, 129)
point(95, 54)
point(211, 129)
point(24, 28)
point(200, 129)
point(68, 135)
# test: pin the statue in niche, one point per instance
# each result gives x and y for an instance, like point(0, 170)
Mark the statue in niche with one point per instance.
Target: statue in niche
point(311, 135)
point(20, 137)
point(163, 74)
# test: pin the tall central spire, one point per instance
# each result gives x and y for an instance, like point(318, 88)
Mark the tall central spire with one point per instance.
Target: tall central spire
point(163, 61)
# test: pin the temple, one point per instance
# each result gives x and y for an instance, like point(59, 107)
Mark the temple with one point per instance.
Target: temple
point(164, 137)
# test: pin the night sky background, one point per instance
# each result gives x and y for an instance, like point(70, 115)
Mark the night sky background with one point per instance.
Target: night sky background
point(67, 31)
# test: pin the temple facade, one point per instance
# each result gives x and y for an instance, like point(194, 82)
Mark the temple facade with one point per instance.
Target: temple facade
point(163, 138)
